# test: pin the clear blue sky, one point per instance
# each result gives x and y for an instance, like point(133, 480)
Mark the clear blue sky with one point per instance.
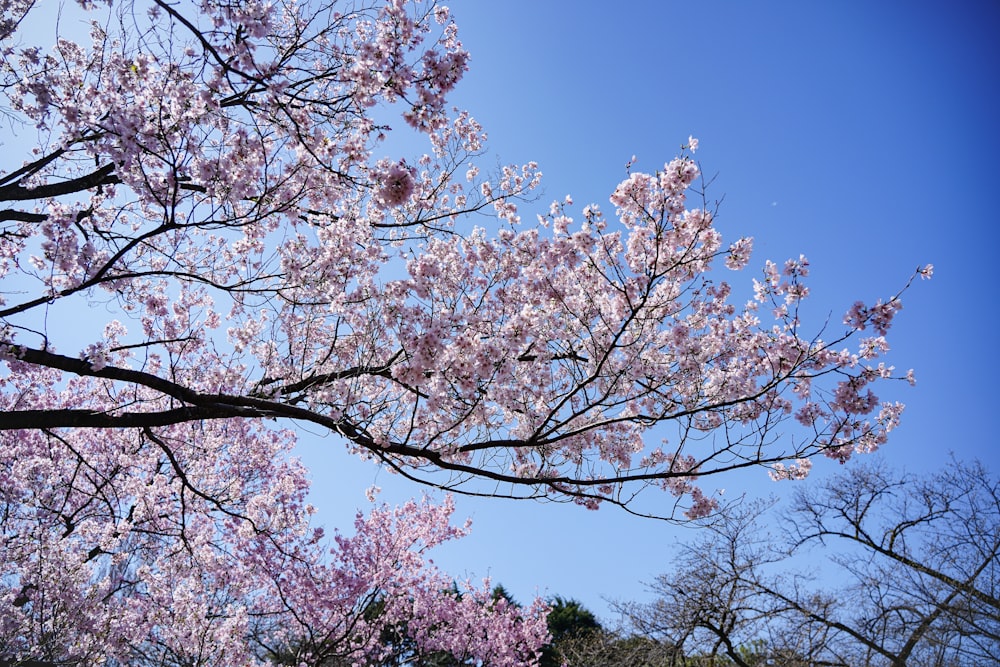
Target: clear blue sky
point(861, 134)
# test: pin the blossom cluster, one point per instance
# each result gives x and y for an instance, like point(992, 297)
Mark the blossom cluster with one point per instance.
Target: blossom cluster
point(122, 547)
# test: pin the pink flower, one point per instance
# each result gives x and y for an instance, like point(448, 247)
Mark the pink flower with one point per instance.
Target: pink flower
point(397, 185)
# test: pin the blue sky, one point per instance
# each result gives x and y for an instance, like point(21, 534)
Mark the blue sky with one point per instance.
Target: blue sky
point(861, 134)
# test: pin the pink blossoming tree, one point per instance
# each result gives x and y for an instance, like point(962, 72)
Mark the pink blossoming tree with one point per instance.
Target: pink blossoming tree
point(219, 178)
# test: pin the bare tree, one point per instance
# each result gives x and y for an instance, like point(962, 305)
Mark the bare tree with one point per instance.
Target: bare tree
point(922, 555)
point(917, 572)
point(604, 648)
point(711, 607)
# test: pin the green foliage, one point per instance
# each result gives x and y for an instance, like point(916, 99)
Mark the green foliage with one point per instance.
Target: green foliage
point(568, 619)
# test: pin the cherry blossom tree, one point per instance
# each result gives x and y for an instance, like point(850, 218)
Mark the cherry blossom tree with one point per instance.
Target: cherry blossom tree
point(221, 179)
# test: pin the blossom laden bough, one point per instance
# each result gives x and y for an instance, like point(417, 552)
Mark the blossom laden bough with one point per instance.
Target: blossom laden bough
point(242, 223)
